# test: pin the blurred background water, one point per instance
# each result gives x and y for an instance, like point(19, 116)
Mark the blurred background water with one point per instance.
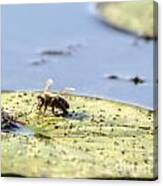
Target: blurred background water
point(96, 50)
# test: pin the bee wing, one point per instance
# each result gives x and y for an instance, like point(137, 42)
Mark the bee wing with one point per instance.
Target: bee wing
point(48, 85)
point(67, 90)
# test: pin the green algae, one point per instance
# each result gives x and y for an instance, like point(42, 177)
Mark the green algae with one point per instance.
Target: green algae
point(99, 139)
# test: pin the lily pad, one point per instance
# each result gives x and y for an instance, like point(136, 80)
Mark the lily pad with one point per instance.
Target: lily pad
point(98, 139)
point(138, 17)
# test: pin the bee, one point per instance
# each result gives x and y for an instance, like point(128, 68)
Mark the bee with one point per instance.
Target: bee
point(48, 99)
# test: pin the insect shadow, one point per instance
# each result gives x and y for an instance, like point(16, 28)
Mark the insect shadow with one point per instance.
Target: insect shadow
point(77, 116)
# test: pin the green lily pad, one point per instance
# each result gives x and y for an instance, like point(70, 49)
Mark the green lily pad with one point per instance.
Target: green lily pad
point(139, 17)
point(98, 139)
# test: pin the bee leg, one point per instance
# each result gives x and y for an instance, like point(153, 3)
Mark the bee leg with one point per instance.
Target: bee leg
point(40, 103)
point(53, 111)
point(39, 107)
point(65, 112)
point(45, 107)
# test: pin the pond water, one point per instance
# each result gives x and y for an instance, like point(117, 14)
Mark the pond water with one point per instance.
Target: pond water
point(95, 50)
point(18, 129)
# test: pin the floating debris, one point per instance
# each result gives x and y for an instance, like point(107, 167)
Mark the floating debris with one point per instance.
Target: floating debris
point(56, 53)
point(66, 51)
point(74, 47)
point(112, 77)
point(38, 62)
point(137, 80)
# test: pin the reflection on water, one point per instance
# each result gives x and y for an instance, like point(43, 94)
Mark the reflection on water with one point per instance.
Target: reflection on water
point(28, 30)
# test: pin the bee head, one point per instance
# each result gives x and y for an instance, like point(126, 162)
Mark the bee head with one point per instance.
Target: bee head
point(40, 99)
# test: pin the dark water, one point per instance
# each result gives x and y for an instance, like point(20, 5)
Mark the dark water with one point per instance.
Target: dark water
point(18, 129)
point(97, 50)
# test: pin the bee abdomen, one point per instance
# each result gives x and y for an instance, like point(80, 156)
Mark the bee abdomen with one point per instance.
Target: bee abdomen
point(61, 102)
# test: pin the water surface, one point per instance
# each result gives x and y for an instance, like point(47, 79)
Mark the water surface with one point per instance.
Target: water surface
point(101, 50)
